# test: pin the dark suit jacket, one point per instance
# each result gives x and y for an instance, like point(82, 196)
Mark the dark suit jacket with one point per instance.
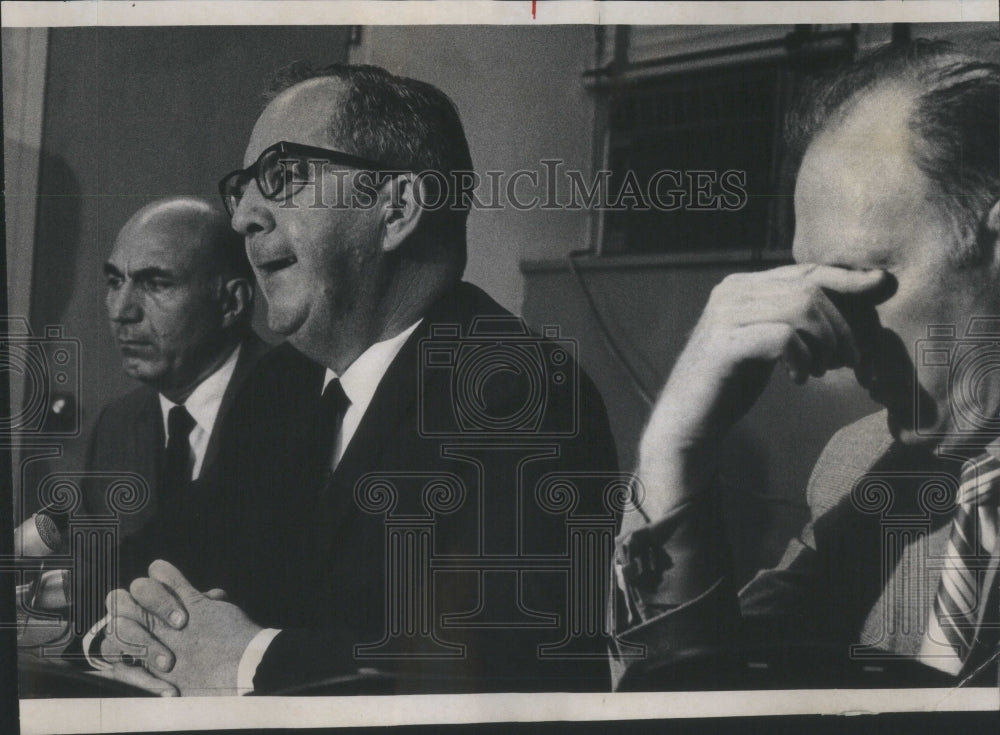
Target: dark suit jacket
point(857, 581)
point(326, 558)
point(129, 437)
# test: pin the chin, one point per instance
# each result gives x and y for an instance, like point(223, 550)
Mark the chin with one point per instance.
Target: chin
point(283, 323)
point(137, 370)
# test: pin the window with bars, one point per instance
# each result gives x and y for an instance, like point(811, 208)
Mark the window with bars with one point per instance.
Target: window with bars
point(698, 134)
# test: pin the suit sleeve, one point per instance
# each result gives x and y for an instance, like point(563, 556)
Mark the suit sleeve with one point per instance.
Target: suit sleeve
point(793, 600)
point(296, 657)
point(808, 594)
point(674, 595)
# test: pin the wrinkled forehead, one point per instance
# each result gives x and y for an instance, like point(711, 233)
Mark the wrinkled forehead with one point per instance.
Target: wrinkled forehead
point(300, 114)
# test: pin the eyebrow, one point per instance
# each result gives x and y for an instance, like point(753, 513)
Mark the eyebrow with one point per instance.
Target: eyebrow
point(143, 274)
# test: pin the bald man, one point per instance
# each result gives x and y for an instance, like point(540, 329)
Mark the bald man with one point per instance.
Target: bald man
point(180, 301)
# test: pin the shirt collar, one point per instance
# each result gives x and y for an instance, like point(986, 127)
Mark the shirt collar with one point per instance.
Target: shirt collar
point(361, 379)
point(204, 402)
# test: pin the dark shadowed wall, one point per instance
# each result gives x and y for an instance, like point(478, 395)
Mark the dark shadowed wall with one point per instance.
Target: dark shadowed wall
point(132, 114)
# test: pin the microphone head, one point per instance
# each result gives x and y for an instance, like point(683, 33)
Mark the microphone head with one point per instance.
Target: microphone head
point(48, 530)
point(38, 536)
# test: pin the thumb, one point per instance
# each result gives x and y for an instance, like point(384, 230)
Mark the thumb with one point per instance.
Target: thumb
point(168, 574)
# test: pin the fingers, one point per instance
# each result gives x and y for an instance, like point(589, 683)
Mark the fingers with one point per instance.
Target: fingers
point(802, 297)
point(159, 600)
point(168, 574)
point(843, 280)
point(795, 356)
point(120, 604)
point(126, 640)
point(139, 678)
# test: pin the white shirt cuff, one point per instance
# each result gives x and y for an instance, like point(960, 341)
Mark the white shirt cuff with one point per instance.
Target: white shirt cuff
point(95, 660)
point(251, 659)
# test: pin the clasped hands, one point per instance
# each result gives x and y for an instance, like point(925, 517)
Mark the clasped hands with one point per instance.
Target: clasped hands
point(167, 638)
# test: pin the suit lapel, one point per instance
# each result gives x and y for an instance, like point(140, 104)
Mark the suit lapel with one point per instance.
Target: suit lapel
point(142, 453)
point(393, 404)
point(392, 415)
point(149, 439)
point(251, 350)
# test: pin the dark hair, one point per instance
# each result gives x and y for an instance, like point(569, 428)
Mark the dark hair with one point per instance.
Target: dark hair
point(402, 123)
point(955, 120)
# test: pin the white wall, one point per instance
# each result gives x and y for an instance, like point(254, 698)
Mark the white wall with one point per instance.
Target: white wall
point(520, 94)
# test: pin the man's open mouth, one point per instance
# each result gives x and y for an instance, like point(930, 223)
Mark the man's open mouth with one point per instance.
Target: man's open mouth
point(273, 266)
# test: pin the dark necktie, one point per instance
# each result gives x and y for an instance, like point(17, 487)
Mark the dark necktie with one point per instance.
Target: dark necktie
point(177, 458)
point(334, 406)
point(961, 597)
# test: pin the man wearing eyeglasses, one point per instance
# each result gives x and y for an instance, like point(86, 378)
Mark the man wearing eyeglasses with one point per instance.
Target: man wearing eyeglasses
point(384, 514)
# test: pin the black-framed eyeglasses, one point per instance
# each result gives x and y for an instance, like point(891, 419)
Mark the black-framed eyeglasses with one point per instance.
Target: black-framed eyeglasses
point(283, 168)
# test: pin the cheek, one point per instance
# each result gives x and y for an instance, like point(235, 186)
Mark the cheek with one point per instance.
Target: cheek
point(178, 323)
point(914, 306)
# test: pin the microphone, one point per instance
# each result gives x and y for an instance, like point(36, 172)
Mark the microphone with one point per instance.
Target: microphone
point(40, 535)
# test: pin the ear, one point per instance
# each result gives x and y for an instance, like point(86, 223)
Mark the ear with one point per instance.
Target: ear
point(989, 233)
point(237, 300)
point(402, 209)
point(993, 220)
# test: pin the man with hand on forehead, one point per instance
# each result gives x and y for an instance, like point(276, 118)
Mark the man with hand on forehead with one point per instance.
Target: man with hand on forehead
point(896, 234)
point(359, 274)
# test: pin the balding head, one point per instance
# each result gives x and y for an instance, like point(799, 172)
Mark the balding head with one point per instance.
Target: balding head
point(194, 225)
point(404, 124)
point(952, 123)
point(179, 296)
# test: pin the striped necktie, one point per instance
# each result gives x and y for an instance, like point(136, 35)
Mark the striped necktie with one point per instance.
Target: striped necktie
point(961, 596)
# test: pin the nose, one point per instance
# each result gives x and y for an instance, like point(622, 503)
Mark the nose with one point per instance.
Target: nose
point(253, 215)
point(123, 304)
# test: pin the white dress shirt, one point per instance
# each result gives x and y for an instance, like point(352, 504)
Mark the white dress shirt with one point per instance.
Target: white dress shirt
point(203, 405)
point(359, 381)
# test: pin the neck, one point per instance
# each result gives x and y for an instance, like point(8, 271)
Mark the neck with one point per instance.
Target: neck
point(404, 300)
point(220, 353)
